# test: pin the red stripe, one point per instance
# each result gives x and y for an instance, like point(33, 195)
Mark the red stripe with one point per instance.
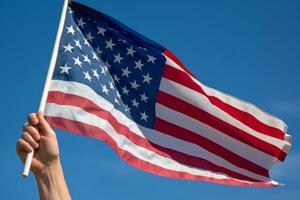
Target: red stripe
point(181, 106)
point(181, 133)
point(90, 107)
point(92, 131)
point(170, 55)
point(202, 163)
point(74, 100)
point(245, 117)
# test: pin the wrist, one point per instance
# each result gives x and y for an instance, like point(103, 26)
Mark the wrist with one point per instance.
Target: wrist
point(52, 169)
point(51, 182)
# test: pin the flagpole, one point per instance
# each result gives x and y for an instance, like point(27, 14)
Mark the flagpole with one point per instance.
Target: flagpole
point(51, 68)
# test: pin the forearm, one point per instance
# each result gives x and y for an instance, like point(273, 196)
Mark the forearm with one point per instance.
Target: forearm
point(52, 184)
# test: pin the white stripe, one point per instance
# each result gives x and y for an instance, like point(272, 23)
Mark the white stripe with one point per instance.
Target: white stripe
point(79, 89)
point(167, 141)
point(79, 115)
point(188, 95)
point(248, 152)
point(242, 105)
point(171, 63)
point(197, 151)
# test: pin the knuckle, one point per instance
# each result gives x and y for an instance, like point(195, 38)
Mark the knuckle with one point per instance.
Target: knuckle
point(34, 133)
point(28, 148)
point(20, 141)
point(22, 144)
point(35, 145)
point(37, 137)
point(31, 115)
point(24, 136)
point(31, 142)
point(24, 126)
point(32, 118)
point(29, 128)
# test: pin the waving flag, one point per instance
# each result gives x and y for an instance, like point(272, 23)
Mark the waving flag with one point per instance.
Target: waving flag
point(113, 84)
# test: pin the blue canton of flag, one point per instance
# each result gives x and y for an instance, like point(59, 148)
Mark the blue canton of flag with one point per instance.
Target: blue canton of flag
point(115, 62)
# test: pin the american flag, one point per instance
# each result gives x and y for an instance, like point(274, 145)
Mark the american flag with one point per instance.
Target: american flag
point(116, 85)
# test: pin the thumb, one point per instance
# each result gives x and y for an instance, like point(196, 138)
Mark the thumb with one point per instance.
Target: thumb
point(43, 125)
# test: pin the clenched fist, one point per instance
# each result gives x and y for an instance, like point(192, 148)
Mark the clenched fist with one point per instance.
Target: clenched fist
point(38, 136)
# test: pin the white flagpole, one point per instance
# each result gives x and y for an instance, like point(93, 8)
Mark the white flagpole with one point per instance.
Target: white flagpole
point(51, 68)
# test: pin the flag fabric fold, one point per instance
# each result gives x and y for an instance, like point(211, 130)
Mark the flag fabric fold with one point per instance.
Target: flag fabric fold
point(114, 84)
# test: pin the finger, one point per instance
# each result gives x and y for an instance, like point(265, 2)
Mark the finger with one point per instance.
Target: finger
point(32, 119)
point(43, 124)
point(22, 146)
point(34, 133)
point(26, 136)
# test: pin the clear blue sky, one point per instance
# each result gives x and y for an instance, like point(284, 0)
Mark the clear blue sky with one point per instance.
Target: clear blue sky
point(250, 49)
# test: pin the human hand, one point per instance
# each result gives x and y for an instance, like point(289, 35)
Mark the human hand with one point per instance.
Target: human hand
point(38, 136)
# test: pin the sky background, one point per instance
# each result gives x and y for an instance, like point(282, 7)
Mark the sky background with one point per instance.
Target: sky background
point(249, 48)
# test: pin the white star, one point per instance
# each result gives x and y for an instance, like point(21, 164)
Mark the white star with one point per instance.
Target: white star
point(77, 44)
point(65, 69)
point(105, 67)
point(81, 22)
point(118, 58)
point(118, 95)
point(70, 29)
point(95, 56)
point(144, 97)
point(144, 116)
point(130, 51)
point(127, 108)
point(111, 85)
point(116, 101)
point(86, 59)
point(116, 78)
point(89, 37)
point(151, 59)
point(87, 76)
point(104, 89)
point(103, 71)
point(99, 52)
point(86, 42)
point(122, 40)
point(95, 73)
point(125, 90)
point(134, 85)
point(106, 64)
point(138, 64)
point(101, 30)
point(111, 29)
point(135, 103)
point(147, 78)
point(126, 72)
point(77, 61)
point(68, 48)
point(145, 49)
point(109, 44)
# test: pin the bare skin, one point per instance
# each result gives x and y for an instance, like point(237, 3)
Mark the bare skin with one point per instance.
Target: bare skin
point(39, 137)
